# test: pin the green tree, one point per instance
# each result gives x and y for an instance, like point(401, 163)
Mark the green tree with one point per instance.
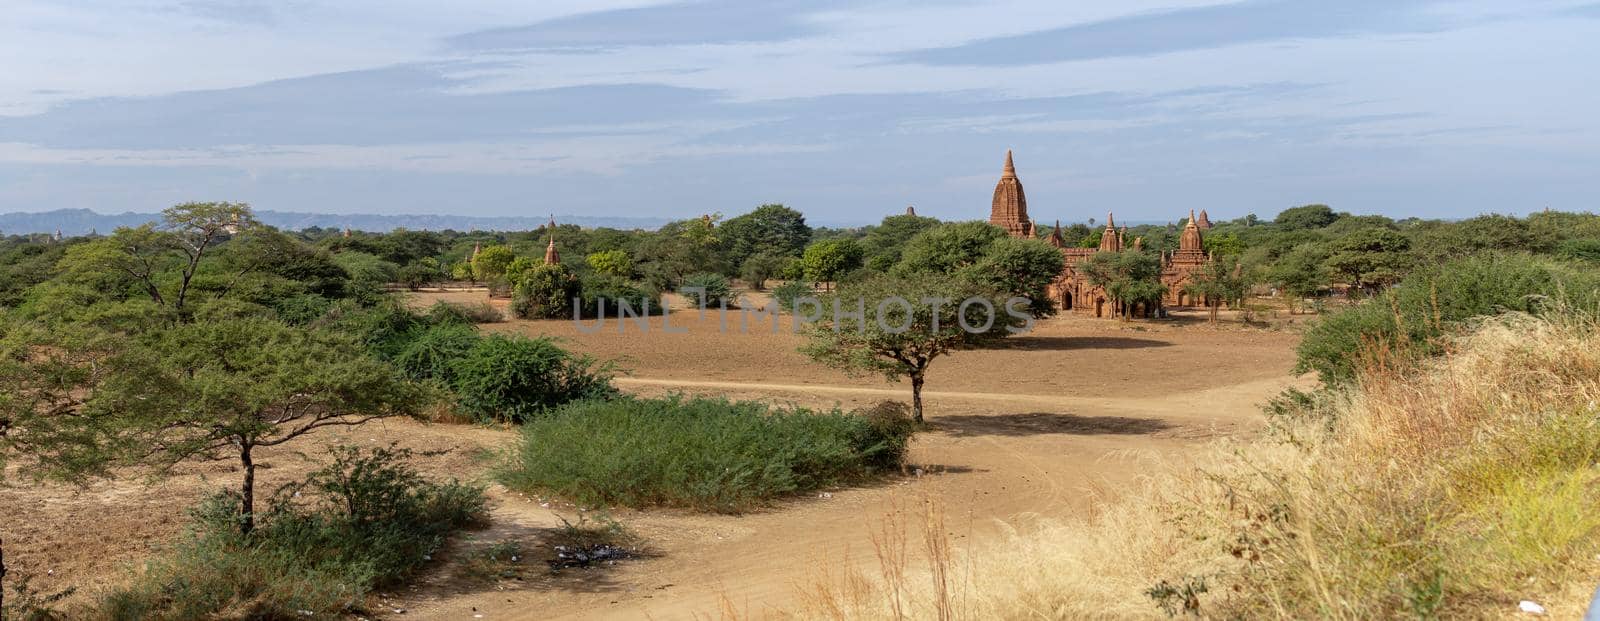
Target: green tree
point(947, 248)
point(902, 340)
point(1370, 257)
point(1492, 232)
point(707, 289)
point(1224, 245)
point(827, 261)
point(1018, 268)
point(368, 273)
point(1219, 282)
point(760, 268)
point(1305, 217)
point(545, 292)
point(1301, 273)
point(420, 273)
point(211, 389)
point(491, 263)
point(770, 229)
point(884, 243)
point(161, 261)
point(1129, 278)
point(611, 263)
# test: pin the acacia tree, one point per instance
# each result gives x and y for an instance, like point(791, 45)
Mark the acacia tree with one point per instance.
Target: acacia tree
point(78, 402)
point(1371, 257)
point(162, 260)
point(901, 340)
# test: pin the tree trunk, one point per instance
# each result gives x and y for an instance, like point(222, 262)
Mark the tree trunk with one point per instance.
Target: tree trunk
point(1214, 309)
point(916, 396)
point(247, 491)
point(2, 576)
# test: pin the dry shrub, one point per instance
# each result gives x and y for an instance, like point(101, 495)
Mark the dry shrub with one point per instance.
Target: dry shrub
point(1454, 490)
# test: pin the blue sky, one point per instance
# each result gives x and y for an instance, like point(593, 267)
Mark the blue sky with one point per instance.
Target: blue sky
point(846, 110)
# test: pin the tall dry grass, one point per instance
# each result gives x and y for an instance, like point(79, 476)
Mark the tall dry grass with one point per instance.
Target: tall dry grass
point(1456, 490)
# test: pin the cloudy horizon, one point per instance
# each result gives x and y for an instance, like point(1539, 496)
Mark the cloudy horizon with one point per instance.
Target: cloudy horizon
point(846, 111)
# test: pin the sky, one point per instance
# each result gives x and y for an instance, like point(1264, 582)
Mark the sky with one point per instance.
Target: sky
point(847, 111)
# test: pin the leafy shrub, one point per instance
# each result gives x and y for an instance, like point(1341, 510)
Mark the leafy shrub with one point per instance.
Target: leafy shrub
point(786, 294)
point(418, 275)
point(611, 263)
point(1411, 320)
point(1580, 250)
point(368, 273)
point(708, 289)
point(513, 378)
point(383, 328)
point(613, 293)
point(545, 292)
point(445, 312)
point(708, 454)
point(302, 309)
point(432, 352)
point(371, 520)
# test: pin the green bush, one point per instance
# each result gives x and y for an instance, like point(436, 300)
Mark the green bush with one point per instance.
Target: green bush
point(301, 309)
point(1412, 320)
point(708, 289)
point(514, 378)
point(708, 454)
point(786, 294)
point(1580, 250)
point(613, 292)
point(370, 521)
point(383, 328)
point(545, 292)
point(443, 312)
point(432, 352)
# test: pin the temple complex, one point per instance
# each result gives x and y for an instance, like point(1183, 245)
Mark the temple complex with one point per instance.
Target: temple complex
point(1072, 290)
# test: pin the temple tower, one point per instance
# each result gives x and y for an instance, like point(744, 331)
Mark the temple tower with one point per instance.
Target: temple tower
point(1009, 210)
point(1190, 240)
point(1110, 239)
point(551, 257)
point(1205, 222)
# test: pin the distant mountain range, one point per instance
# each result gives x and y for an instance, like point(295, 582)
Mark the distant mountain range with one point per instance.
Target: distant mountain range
point(83, 221)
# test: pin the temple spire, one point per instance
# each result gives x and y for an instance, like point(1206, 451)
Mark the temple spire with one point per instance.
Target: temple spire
point(1009, 209)
point(551, 257)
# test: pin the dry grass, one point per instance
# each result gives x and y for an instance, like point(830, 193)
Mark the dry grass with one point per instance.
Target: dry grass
point(1456, 490)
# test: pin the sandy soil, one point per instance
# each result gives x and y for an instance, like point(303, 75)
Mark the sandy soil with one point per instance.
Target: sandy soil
point(1044, 426)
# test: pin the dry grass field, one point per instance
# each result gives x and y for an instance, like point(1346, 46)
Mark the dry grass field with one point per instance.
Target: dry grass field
point(1043, 426)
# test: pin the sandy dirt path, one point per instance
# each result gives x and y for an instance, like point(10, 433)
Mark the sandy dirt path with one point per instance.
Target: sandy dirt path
point(990, 458)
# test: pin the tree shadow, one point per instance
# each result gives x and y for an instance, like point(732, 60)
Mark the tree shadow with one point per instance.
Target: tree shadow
point(1046, 423)
point(1075, 343)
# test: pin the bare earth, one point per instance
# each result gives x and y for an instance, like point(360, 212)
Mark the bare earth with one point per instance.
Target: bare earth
point(1046, 425)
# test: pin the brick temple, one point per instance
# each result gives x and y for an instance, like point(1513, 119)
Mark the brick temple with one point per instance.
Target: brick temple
point(1072, 291)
